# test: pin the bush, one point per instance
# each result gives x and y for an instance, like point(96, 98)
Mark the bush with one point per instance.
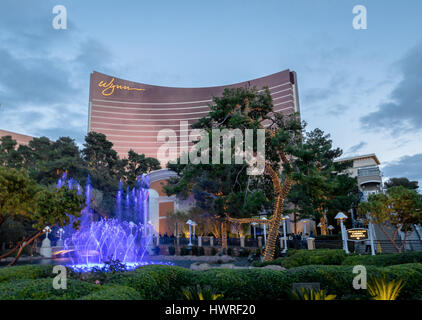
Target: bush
point(156, 250)
point(114, 293)
point(338, 279)
point(308, 257)
point(194, 250)
point(172, 250)
point(252, 284)
point(229, 251)
point(244, 252)
point(201, 251)
point(411, 274)
point(383, 260)
point(213, 251)
point(42, 289)
point(156, 282)
point(184, 251)
point(26, 272)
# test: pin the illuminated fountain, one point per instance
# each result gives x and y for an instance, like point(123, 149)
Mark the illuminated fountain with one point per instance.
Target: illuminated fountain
point(125, 238)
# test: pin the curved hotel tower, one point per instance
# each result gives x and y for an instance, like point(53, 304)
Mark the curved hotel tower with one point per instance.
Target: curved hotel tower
point(131, 114)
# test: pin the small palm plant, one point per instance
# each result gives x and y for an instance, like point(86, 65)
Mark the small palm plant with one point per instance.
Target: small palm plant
point(380, 289)
point(311, 294)
point(198, 293)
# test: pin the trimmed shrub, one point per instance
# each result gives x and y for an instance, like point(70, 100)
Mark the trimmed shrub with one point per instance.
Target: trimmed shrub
point(251, 284)
point(184, 251)
point(114, 293)
point(383, 260)
point(229, 251)
point(201, 251)
point(243, 252)
point(156, 282)
point(42, 289)
point(213, 251)
point(194, 250)
point(26, 272)
point(411, 274)
point(308, 257)
point(172, 250)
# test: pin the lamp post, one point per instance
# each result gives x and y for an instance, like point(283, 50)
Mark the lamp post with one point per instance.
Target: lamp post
point(341, 216)
point(254, 229)
point(330, 229)
point(265, 231)
point(194, 224)
point(284, 232)
point(189, 222)
point(304, 226)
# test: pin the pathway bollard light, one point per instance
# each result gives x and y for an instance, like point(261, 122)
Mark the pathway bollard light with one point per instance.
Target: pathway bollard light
point(189, 222)
point(341, 216)
point(285, 218)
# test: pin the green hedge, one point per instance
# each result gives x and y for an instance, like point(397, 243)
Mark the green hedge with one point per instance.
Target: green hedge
point(248, 284)
point(383, 260)
point(42, 289)
point(308, 257)
point(26, 272)
point(114, 293)
point(155, 282)
point(167, 283)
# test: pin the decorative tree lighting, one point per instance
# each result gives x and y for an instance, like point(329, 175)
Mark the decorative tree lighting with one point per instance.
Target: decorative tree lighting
point(285, 218)
point(189, 222)
point(341, 216)
point(330, 228)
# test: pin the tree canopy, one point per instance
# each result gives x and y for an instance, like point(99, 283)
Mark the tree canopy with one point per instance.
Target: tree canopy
point(404, 182)
point(399, 208)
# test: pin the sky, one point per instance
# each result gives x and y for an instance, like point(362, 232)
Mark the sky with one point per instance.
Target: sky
point(363, 87)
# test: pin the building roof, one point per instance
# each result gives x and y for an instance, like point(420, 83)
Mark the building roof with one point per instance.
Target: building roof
point(361, 157)
point(20, 138)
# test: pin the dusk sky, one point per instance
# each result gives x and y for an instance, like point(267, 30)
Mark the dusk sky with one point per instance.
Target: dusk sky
point(364, 87)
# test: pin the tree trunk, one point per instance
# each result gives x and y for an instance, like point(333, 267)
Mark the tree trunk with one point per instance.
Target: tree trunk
point(2, 220)
point(223, 237)
point(276, 221)
point(17, 247)
point(24, 244)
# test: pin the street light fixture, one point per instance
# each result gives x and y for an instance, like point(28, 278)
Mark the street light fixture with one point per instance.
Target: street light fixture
point(304, 225)
point(254, 224)
point(194, 224)
point(330, 228)
point(284, 232)
point(341, 216)
point(189, 222)
point(265, 231)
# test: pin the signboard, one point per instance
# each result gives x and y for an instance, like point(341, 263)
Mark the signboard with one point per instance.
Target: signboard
point(357, 234)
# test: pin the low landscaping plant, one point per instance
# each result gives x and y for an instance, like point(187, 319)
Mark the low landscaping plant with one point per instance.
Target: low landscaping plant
point(308, 257)
point(311, 294)
point(382, 289)
point(160, 282)
point(383, 260)
point(172, 250)
point(198, 293)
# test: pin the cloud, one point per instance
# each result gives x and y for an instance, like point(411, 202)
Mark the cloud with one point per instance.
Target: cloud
point(403, 113)
point(356, 147)
point(44, 74)
point(407, 166)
